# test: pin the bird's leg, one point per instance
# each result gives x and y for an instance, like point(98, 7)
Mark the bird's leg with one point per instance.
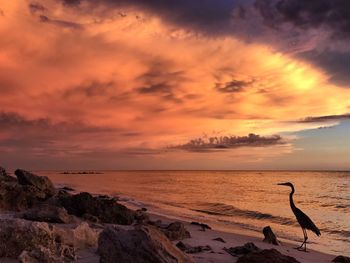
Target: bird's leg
point(302, 244)
point(305, 239)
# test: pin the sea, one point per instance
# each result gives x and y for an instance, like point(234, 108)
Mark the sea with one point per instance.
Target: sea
point(241, 202)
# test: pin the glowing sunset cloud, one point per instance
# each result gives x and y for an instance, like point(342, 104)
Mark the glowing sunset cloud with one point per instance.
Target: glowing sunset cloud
point(127, 84)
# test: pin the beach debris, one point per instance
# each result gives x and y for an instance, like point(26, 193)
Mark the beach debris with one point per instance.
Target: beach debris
point(48, 213)
point(146, 244)
point(219, 239)
point(203, 226)
point(42, 183)
point(192, 250)
point(266, 256)
point(270, 237)
point(176, 231)
point(107, 210)
point(242, 250)
point(341, 259)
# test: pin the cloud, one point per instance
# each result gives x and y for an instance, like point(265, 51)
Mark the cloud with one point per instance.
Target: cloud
point(232, 86)
point(37, 8)
point(61, 23)
point(213, 144)
point(327, 118)
point(335, 63)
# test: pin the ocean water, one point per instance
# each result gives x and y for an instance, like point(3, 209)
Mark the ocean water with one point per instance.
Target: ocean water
point(235, 201)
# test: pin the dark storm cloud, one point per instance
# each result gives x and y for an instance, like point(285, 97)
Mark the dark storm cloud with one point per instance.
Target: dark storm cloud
point(213, 144)
point(44, 126)
point(335, 63)
point(334, 15)
point(205, 15)
point(232, 86)
point(327, 118)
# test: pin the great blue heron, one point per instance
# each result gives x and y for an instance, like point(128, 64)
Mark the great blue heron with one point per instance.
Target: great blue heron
point(304, 221)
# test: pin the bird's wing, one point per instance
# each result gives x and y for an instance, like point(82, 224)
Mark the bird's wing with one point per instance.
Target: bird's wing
point(306, 222)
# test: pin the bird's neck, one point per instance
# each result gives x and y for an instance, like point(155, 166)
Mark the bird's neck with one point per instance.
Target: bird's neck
point(292, 205)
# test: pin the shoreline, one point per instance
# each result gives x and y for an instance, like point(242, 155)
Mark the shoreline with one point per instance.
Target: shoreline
point(44, 223)
point(203, 238)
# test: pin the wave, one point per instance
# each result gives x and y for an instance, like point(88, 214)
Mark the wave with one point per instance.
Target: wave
point(229, 210)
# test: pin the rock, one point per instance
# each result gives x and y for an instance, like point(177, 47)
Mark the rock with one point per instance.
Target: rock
point(107, 210)
point(341, 259)
point(49, 213)
point(270, 237)
point(5, 177)
point(192, 250)
point(176, 231)
point(242, 250)
point(80, 236)
point(42, 183)
point(203, 226)
point(266, 256)
point(91, 218)
point(18, 235)
point(219, 239)
point(141, 217)
point(14, 196)
point(67, 188)
point(44, 255)
point(143, 245)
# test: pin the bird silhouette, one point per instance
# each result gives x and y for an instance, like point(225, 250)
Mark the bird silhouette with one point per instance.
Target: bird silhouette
point(304, 221)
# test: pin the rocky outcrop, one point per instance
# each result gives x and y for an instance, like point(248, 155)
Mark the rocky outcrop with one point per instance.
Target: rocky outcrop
point(266, 256)
point(19, 236)
point(5, 177)
point(269, 236)
point(26, 192)
point(341, 259)
point(143, 245)
point(192, 249)
point(107, 210)
point(242, 250)
point(176, 231)
point(49, 213)
point(41, 183)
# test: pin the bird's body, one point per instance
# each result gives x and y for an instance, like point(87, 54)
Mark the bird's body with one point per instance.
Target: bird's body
point(304, 221)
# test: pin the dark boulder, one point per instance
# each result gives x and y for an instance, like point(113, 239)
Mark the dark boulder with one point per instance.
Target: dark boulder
point(270, 237)
point(41, 183)
point(242, 250)
point(341, 259)
point(266, 256)
point(176, 231)
point(49, 213)
point(14, 196)
point(192, 250)
point(107, 210)
point(143, 245)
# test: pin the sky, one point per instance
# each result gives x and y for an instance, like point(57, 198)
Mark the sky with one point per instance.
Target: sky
point(175, 84)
